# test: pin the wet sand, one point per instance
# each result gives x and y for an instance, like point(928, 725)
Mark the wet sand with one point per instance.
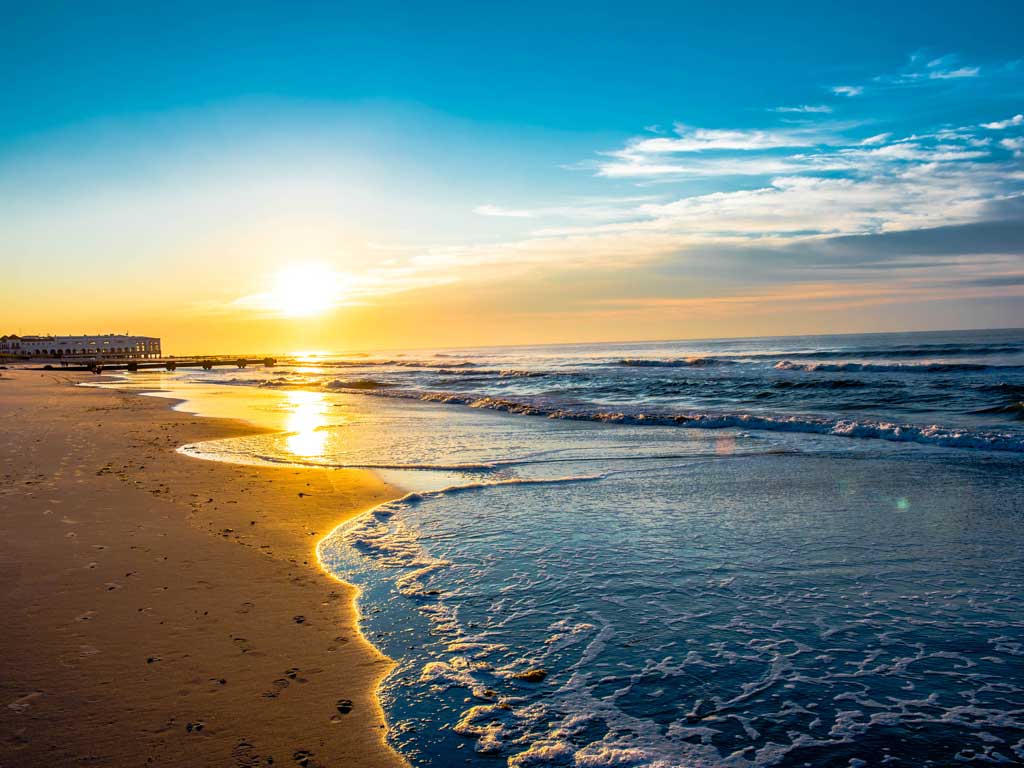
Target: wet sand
point(161, 610)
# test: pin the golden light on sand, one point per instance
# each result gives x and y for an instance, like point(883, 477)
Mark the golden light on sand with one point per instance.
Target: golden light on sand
point(302, 290)
point(306, 439)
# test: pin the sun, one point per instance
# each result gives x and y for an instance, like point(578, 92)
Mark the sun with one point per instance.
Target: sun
point(303, 290)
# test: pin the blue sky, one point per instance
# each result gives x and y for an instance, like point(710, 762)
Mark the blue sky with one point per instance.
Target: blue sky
point(569, 66)
point(681, 165)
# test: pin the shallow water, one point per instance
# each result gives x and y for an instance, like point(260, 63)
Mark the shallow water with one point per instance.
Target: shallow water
point(733, 596)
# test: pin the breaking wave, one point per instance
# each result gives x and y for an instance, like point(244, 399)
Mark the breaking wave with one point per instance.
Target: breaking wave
point(788, 365)
point(932, 435)
point(925, 350)
point(690, 362)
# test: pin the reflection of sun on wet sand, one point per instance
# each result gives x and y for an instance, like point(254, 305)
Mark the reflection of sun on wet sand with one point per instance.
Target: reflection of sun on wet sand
point(165, 611)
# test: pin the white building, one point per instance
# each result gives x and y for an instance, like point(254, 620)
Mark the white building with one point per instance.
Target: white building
point(107, 346)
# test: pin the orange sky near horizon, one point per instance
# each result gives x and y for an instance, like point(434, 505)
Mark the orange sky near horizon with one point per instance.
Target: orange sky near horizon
point(528, 310)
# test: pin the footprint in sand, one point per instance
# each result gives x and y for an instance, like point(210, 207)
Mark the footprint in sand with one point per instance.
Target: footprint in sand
point(279, 685)
point(245, 756)
point(344, 706)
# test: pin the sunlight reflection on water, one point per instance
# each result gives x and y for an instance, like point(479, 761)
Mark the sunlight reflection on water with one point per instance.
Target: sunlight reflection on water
point(305, 424)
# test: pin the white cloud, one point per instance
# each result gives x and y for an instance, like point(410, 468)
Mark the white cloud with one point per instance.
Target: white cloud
point(806, 108)
point(811, 206)
point(1014, 145)
point(764, 153)
point(941, 68)
point(496, 210)
point(848, 90)
point(641, 167)
point(1000, 125)
point(700, 152)
point(691, 139)
point(952, 74)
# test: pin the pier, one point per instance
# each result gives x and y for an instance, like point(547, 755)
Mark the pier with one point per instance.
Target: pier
point(206, 362)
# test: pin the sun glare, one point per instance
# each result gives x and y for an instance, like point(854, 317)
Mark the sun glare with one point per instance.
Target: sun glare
point(303, 290)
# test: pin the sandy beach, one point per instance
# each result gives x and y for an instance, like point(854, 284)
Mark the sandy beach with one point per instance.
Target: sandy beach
point(160, 610)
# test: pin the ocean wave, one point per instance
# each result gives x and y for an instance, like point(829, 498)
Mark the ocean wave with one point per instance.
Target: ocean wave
point(1002, 388)
point(788, 365)
point(689, 362)
point(931, 435)
point(517, 374)
point(508, 373)
point(924, 350)
point(427, 364)
point(820, 384)
point(280, 382)
point(1014, 410)
point(357, 384)
point(212, 451)
point(374, 533)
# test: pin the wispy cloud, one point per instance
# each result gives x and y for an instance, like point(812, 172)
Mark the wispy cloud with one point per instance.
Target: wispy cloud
point(701, 152)
point(954, 74)
point(692, 139)
point(1015, 145)
point(805, 108)
point(918, 72)
point(937, 69)
point(585, 209)
point(767, 153)
point(497, 210)
point(1001, 125)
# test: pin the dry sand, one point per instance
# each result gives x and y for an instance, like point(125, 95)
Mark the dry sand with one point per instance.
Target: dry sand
point(165, 611)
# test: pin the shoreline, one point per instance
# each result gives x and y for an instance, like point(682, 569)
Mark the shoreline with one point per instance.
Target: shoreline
point(168, 614)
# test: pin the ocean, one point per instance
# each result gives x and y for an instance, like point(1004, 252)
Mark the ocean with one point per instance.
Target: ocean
point(799, 551)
